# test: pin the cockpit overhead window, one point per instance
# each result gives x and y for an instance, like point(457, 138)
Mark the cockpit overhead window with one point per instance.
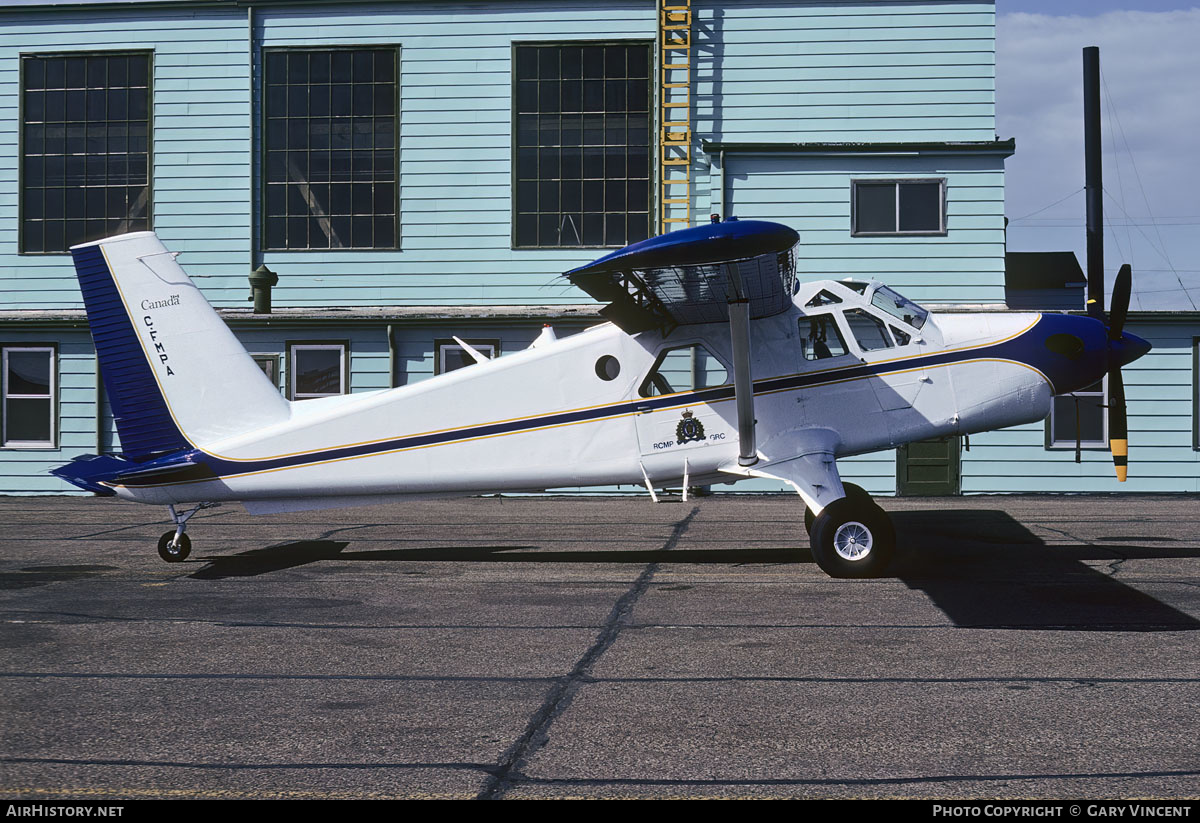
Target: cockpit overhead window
point(868, 330)
point(856, 285)
point(685, 368)
point(899, 307)
point(820, 337)
point(823, 298)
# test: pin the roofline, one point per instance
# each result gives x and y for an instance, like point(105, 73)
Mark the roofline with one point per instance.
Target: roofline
point(1001, 148)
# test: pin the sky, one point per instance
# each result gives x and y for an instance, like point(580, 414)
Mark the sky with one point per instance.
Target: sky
point(1150, 98)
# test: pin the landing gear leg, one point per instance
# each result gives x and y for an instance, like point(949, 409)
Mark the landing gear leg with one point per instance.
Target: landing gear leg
point(174, 546)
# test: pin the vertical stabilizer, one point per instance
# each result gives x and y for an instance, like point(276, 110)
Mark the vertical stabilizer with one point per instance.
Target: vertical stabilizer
point(175, 374)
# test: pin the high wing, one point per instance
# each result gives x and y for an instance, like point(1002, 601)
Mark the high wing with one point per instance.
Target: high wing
point(693, 276)
point(735, 272)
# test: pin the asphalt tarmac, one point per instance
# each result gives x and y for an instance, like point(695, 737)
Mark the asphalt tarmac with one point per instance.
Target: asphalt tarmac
point(1026, 647)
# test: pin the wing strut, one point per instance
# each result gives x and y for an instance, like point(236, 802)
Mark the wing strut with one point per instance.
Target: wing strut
point(743, 380)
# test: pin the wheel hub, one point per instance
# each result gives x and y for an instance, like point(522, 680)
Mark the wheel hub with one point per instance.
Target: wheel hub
point(852, 541)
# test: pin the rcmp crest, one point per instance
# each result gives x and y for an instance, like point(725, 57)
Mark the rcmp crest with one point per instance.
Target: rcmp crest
point(689, 429)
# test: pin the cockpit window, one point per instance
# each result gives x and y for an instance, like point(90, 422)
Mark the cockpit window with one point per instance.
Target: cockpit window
point(823, 298)
point(685, 368)
point(899, 307)
point(868, 330)
point(820, 338)
point(859, 287)
point(902, 337)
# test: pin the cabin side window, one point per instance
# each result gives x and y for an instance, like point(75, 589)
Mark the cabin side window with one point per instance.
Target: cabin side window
point(820, 338)
point(868, 330)
point(684, 368)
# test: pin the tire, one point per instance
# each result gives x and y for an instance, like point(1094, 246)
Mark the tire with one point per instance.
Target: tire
point(853, 492)
point(850, 539)
point(174, 553)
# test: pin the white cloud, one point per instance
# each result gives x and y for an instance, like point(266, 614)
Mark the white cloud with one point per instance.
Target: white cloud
point(1150, 64)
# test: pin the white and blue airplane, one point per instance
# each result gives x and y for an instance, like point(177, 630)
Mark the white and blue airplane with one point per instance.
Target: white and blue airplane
point(716, 363)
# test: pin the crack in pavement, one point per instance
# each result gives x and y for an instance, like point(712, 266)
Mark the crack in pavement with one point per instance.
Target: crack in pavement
point(560, 696)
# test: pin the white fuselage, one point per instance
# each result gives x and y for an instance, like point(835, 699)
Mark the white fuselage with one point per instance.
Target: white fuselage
point(546, 417)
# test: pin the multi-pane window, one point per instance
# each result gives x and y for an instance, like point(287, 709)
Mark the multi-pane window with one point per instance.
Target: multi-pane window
point(27, 384)
point(85, 148)
point(330, 149)
point(898, 207)
point(582, 147)
point(449, 355)
point(316, 370)
point(1081, 413)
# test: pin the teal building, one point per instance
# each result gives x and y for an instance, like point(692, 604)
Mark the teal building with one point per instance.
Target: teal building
point(415, 171)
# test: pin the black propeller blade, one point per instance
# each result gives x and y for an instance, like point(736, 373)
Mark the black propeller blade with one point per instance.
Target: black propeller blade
point(1120, 302)
point(1118, 421)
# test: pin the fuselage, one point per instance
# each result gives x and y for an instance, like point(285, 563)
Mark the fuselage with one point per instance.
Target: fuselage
point(603, 407)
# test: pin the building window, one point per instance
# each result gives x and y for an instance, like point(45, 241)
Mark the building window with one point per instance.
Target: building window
point(330, 149)
point(85, 148)
point(269, 363)
point(449, 355)
point(317, 369)
point(27, 388)
point(890, 207)
point(581, 172)
point(1092, 405)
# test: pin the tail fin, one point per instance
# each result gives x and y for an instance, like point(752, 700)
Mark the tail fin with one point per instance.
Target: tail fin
point(175, 375)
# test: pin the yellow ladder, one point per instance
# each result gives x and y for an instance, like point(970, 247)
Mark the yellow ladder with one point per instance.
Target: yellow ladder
point(675, 115)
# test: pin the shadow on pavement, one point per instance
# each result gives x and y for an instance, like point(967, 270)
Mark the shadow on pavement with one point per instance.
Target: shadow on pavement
point(982, 568)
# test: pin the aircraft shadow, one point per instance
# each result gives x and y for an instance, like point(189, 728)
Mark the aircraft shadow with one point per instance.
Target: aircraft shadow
point(984, 569)
point(981, 568)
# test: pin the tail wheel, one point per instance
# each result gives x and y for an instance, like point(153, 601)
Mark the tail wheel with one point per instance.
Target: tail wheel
point(853, 492)
point(174, 550)
point(853, 539)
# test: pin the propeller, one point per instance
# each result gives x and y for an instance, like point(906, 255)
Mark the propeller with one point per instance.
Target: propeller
point(1118, 420)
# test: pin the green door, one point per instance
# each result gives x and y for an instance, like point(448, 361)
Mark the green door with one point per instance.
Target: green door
point(928, 468)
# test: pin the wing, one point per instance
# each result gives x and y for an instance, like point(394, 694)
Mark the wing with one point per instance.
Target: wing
point(693, 275)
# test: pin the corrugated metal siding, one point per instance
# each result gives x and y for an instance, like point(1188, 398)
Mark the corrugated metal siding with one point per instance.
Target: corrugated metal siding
point(201, 140)
point(1161, 414)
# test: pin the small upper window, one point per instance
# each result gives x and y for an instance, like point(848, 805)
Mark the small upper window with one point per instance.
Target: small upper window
point(28, 397)
point(450, 356)
point(868, 330)
point(898, 207)
point(820, 337)
point(317, 370)
point(681, 369)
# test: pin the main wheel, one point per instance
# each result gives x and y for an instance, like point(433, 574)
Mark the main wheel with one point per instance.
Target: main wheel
point(850, 539)
point(853, 492)
point(174, 551)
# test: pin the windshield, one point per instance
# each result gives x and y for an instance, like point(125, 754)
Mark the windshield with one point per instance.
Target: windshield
point(899, 307)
